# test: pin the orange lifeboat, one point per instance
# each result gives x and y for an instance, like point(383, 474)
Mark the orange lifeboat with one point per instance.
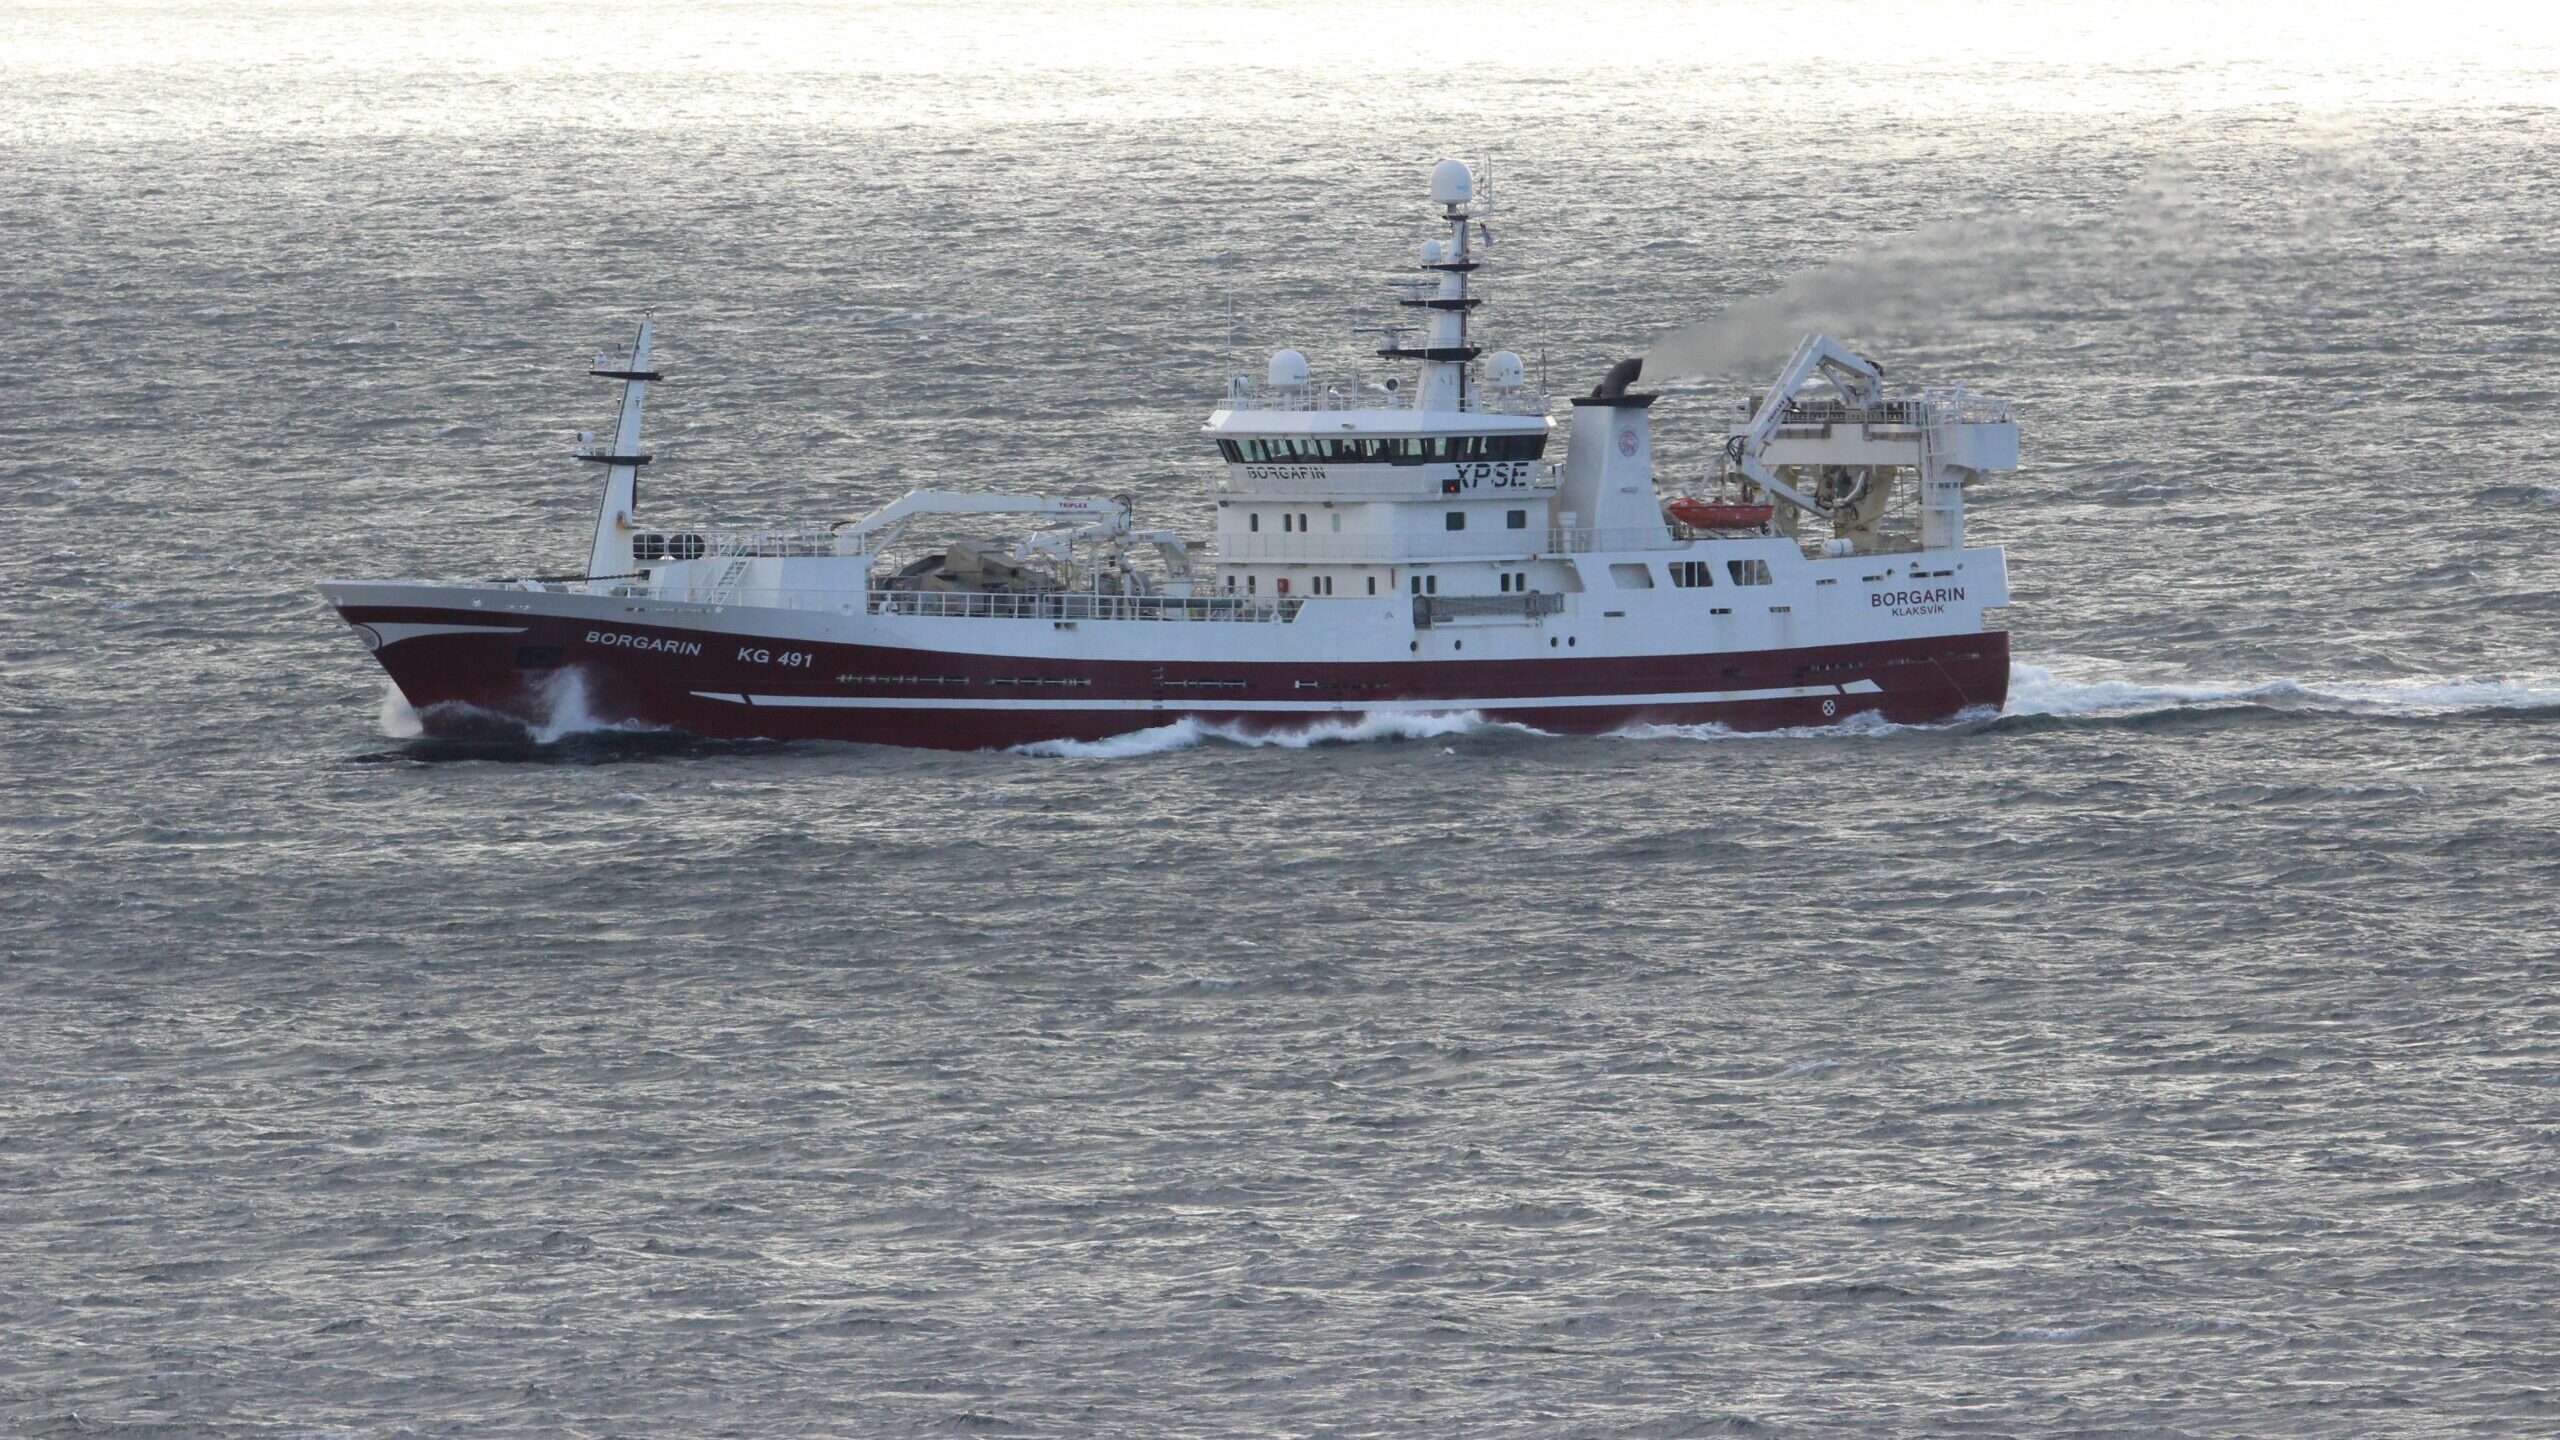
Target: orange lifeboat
point(1700, 514)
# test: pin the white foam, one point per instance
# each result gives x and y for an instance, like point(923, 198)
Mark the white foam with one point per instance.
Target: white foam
point(2035, 690)
point(397, 718)
point(1864, 723)
point(1180, 735)
point(566, 713)
point(1186, 733)
point(564, 696)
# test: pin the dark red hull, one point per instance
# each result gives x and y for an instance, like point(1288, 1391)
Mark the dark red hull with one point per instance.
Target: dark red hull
point(486, 681)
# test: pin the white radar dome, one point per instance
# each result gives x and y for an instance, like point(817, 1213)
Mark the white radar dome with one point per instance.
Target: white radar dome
point(1503, 371)
point(1452, 183)
point(1431, 252)
point(1288, 367)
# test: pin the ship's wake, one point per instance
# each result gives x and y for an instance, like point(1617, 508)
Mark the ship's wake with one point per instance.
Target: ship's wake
point(1186, 734)
point(2040, 698)
point(2037, 692)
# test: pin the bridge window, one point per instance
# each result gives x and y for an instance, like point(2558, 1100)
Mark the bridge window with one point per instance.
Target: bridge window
point(1693, 574)
point(1399, 450)
point(1631, 577)
point(1748, 572)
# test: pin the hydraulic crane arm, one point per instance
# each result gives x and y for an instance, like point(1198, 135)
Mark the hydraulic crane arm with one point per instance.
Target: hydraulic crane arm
point(1819, 357)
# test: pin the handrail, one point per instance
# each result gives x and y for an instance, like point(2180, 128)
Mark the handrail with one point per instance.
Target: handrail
point(1929, 407)
point(1084, 605)
point(1356, 392)
point(967, 604)
point(1391, 548)
point(1429, 610)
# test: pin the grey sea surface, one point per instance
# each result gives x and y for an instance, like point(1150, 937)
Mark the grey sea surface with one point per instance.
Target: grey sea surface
point(2174, 1054)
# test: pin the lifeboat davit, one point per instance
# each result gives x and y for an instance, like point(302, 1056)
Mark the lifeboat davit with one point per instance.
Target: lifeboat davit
point(1700, 514)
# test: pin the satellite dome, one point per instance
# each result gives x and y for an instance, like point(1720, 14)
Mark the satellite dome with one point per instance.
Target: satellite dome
point(1431, 252)
point(1288, 367)
point(1503, 371)
point(1452, 183)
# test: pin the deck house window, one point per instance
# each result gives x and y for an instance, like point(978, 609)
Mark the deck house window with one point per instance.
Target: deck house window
point(1404, 450)
point(1515, 520)
point(1457, 519)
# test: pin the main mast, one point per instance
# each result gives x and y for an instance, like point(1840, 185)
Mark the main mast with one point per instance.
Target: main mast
point(1443, 382)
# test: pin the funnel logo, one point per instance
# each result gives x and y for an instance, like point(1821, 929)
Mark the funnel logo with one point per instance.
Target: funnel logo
point(1627, 443)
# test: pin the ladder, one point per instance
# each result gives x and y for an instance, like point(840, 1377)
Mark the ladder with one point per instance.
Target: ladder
point(725, 589)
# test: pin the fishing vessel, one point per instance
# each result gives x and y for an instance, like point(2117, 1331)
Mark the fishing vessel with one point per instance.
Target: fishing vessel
point(1404, 543)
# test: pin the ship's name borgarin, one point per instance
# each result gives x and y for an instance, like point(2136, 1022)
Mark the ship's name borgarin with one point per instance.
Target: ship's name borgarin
point(643, 642)
point(1915, 602)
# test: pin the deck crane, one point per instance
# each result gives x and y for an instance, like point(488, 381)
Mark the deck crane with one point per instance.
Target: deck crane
point(1860, 383)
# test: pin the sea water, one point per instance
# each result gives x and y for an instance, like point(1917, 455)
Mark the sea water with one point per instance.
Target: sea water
point(2173, 1053)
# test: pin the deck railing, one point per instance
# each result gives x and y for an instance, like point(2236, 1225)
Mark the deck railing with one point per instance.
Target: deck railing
point(1078, 605)
point(961, 604)
point(1357, 392)
point(1430, 610)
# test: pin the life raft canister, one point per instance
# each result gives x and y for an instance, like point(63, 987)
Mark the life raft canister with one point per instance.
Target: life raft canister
point(1717, 514)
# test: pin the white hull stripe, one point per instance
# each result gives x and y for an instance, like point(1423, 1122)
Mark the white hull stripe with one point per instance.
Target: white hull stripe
point(1538, 702)
point(387, 634)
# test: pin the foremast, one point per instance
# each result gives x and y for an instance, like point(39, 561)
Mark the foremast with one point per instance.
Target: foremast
point(611, 559)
